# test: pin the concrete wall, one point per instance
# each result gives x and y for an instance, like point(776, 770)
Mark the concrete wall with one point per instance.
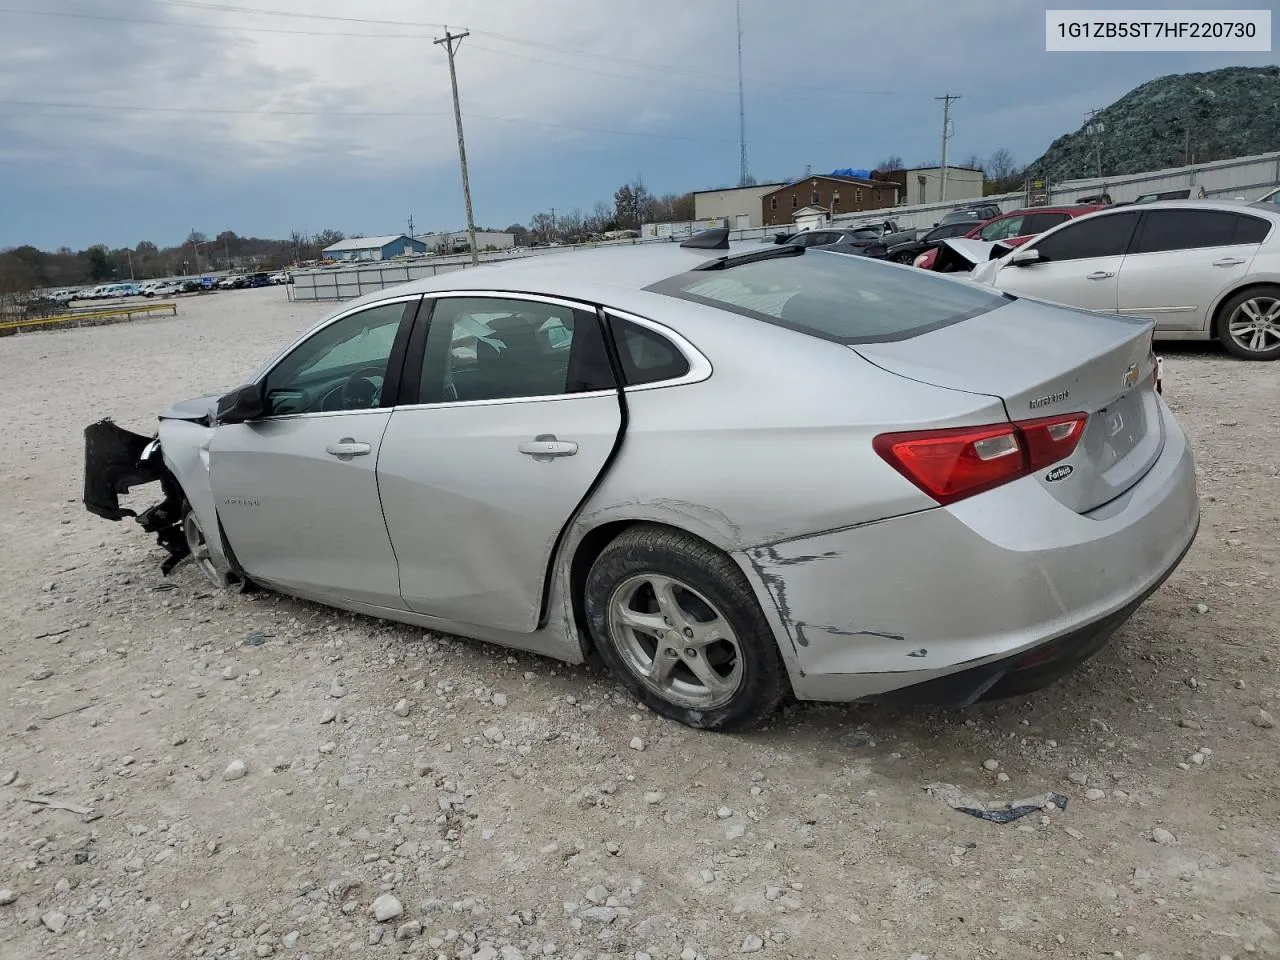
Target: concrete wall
point(962, 184)
point(732, 203)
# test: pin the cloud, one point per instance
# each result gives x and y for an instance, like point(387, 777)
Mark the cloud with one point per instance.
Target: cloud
point(560, 101)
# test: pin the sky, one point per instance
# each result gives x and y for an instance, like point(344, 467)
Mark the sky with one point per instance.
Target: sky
point(130, 120)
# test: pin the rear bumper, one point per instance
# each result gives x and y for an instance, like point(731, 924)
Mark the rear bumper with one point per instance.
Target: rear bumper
point(973, 587)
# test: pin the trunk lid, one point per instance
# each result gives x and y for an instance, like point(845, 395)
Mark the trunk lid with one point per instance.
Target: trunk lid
point(1043, 361)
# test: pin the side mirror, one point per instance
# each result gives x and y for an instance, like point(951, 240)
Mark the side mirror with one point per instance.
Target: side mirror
point(1025, 257)
point(242, 404)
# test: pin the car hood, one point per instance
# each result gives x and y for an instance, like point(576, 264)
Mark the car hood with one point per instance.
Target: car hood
point(199, 409)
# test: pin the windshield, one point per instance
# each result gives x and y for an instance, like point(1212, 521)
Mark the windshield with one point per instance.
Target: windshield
point(834, 297)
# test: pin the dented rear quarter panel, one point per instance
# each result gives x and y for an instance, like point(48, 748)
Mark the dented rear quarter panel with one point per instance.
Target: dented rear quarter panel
point(780, 448)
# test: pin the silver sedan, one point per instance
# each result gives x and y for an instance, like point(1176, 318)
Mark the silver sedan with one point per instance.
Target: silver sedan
point(731, 475)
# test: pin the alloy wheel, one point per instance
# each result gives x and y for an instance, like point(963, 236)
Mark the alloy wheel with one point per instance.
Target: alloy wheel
point(675, 641)
point(1255, 324)
point(200, 551)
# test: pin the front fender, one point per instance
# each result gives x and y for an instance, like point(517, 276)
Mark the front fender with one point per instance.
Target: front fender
point(185, 445)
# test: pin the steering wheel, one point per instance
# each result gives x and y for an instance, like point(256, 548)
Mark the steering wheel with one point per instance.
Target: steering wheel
point(359, 392)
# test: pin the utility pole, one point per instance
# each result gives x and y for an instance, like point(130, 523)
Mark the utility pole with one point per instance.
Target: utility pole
point(451, 48)
point(743, 176)
point(411, 225)
point(129, 253)
point(946, 99)
point(1095, 128)
point(226, 249)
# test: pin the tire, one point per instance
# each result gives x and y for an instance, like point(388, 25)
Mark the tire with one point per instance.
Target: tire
point(704, 591)
point(1251, 316)
point(214, 573)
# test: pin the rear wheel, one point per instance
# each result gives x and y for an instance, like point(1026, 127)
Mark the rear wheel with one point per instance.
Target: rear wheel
point(677, 623)
point(1250, 324)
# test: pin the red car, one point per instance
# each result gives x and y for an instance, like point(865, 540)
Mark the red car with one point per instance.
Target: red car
point(1015, 228)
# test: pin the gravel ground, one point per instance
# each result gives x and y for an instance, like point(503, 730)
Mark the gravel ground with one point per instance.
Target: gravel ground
point(266, 777)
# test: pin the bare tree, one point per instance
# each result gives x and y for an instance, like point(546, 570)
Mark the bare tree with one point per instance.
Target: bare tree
point(973, 162)
point(1001, 165)
point(891, 162)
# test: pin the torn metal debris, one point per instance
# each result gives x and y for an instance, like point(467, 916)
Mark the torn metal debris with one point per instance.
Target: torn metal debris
point(996, 811)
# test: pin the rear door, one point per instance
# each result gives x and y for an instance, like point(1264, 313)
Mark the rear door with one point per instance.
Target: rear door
point(1182, 260)
point(510, 416)
point(1080, 263)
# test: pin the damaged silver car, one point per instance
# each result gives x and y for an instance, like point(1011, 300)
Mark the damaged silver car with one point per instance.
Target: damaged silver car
point(732, 475)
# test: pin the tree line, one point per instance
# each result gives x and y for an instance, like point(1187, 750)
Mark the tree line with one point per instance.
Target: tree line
point(632, 206)
point(27, 268)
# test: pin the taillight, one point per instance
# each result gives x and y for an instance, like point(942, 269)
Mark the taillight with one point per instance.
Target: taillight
point(959, 462)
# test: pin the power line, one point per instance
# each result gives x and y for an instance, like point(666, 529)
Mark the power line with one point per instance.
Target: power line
point(67, 14)
point(224, 8)
point(451, 48)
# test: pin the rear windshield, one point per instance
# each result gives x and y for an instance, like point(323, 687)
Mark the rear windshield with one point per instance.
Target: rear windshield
point(835, 296)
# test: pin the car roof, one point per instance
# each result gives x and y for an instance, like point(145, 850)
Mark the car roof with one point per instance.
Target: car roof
point(1222, 206)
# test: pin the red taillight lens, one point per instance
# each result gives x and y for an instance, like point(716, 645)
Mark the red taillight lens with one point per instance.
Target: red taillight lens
point(959, 462)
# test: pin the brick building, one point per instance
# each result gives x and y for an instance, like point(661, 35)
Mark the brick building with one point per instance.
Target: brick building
point(832, 192)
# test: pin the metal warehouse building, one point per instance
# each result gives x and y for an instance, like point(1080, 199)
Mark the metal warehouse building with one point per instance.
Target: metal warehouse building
point(375, 248)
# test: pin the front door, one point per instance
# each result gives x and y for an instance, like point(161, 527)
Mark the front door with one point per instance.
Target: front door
point(518, 414)
point(297, 490)
point(1183, 259)
point(1080, 264)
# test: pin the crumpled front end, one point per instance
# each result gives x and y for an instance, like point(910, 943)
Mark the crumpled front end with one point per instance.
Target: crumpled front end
point(117, 460)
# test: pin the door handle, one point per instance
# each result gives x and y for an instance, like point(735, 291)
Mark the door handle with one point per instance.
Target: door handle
point(1100, 275)
point(1229, 262)
point(348, 447)
point(546, 447)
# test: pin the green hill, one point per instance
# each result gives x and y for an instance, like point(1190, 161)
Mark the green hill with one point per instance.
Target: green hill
point(1198, 117)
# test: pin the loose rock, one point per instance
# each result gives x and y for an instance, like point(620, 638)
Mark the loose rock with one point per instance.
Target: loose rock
point(337, 690)
point(1263, 720)
point(637, 743)
point(1161, 835)
point(54, 921)
point(386, 907)
point(752, 944)
point(7, 897)
point(409, 930)
point(235, 770)
point(401, 709)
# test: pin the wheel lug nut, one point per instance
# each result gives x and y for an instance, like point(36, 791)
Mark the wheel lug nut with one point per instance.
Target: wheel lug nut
point(672, 652)
point(690, 652)
point(688, 632)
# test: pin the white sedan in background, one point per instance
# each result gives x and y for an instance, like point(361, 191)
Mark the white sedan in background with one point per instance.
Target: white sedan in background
point(1202, 270)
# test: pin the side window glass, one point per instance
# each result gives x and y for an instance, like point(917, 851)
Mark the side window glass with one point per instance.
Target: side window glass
point(341, 367)
point(1251, 229)
point(1002, 229)
point(1040, 222)
point(1106, 236)
point(1165, 230)
point(647, 356)
point(490, 348)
